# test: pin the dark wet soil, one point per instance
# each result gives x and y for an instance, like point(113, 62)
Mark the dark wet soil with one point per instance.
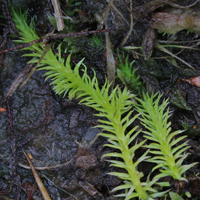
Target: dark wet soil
point(57, 132)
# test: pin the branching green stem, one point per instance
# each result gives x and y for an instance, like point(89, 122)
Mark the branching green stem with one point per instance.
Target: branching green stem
point(168, 157)
point(116, 106)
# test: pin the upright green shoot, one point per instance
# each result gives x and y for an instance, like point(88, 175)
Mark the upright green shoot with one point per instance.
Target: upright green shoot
point(169, 155)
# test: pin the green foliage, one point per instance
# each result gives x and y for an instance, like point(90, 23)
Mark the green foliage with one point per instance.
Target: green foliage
point(115, 107)
point(161, 32)
point(27, 32)
point(175, 196)
point(128, 75)
point(169, 155)
point(191, 132)
point(112, 107)
point(68, 42)
point(70, 10)
point(95, 41)
point(177, 99)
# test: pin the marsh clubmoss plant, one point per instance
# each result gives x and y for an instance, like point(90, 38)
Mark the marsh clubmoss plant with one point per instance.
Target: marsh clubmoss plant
point(168, 157)
point(128, 75)
point(117, 107)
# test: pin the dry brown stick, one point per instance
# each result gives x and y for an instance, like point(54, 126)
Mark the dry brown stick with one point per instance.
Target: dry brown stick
point(109, 54)
point(52, 37)
point(59, 187)
point(131, 26)
point(59, 20)
point(171, 54)
point(130, 9)
point(183, 7)
point(147, 8)
point(6, 198)
point(43, 190)
point(47, 47)
point(117, 10)
point(48, 167)
point(18, 81)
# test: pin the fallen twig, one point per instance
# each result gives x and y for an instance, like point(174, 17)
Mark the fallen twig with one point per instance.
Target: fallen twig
point(109, 54)
point(161, 48)
point(131, 27)
point(51, 37)
point(37, 178)
point(47, 167)
point(18, 80)
point(47, 47)
point(59, 20)
point(59, 187)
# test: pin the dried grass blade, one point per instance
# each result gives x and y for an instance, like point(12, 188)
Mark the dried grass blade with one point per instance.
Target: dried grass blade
point(109, 54)
point(38, 179)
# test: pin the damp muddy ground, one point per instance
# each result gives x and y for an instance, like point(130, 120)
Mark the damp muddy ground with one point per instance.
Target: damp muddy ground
point(58, 132)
